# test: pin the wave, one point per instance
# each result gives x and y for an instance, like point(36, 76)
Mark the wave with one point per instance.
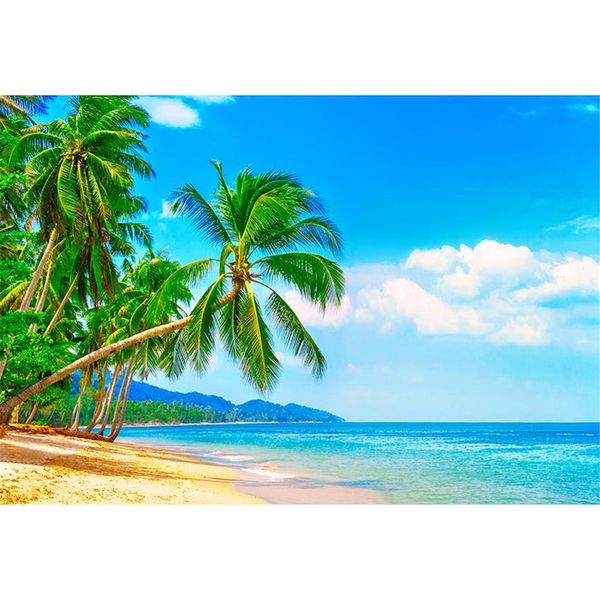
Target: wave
point(269, 474)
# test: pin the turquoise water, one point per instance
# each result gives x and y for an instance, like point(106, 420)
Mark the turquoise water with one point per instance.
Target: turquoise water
point(431, 463)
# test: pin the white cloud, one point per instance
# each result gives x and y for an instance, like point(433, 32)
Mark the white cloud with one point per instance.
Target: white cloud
point(490, 265)
point(587, 107)
point(497, 292)
point(311, 314)
point(438, 260)
point(524, 331)
point(214, 99)
point(166, 210)
point(402, 298)
point(172, 112)
point(581, 224)
point(569, 279)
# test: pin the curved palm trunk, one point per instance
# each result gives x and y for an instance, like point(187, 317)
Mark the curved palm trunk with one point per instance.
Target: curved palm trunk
point(32, 413)
point(114, 434)
point(28, 296)
point(26, 301)
point(60, 308)
point(102, 373)
point(3, 366)
point(90, 359)
point(83, 382)
point(120, 398)
point(109, 397)
point(39, 305)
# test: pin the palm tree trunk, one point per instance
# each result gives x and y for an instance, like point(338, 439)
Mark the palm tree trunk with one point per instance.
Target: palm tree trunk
point(89, 359)
point(124, 384)
point(109, 398)
point(114, 434)
point(60, 308)
point(83, 382)
point(102, 373)
point(26, 301)
point(32, 413)
point(39, 305)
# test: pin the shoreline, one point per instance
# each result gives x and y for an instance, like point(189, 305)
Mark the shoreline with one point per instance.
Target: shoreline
point(44, 468)
point(265, 480)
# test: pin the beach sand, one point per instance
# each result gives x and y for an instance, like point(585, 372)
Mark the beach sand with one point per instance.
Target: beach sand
point(43, 468)
point(54, 469)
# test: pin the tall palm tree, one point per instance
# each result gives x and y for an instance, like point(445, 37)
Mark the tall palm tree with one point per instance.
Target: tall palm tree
point(81, 172)
point(16, 120)
point(261, 227)
point(265, 227)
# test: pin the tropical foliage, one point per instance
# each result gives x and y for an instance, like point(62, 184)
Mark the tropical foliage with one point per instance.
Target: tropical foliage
point(85, 298)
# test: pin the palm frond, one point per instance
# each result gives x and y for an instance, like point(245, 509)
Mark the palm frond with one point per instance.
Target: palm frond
point(175, 289)
point(187, 201)
point(317, 278)
point(200, 333)
point(258, 362)
point(294, 335)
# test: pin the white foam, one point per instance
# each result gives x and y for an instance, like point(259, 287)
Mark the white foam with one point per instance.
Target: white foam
point(232, 457)
point(268, 474)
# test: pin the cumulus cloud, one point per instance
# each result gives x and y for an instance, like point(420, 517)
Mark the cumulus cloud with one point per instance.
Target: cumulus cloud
point(438, 260)
point(494, 291)
point(490, 264)
point(524, 331)
point(172, 112)
point(405, 299)
point(573, 278)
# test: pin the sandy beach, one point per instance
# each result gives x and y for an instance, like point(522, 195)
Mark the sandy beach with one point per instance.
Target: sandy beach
point(54, 469)
point(42, 468)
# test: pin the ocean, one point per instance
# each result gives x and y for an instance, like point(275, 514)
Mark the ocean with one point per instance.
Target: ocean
point(407, 463)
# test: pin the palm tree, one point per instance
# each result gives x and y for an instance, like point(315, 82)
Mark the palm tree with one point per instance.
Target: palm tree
point(16, 120)
point(81, 174)
point(262, 227)
point(126, 315)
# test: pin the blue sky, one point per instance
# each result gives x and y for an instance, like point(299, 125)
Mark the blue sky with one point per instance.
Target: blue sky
point(471, 245)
